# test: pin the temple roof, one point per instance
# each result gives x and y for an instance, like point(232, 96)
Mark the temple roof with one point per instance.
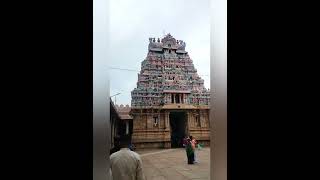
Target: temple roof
point(124, 111)
point(167, 42)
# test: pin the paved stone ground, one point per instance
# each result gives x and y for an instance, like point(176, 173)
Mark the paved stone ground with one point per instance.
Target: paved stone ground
point(171, 164)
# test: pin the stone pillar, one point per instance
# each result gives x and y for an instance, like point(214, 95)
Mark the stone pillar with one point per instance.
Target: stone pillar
point(180, 99)
point(167, 130)
point(166, 98)
point(146, 116)
point(127, 127)
point(200, 116)
point(159, 120)
point(167, 120)
point(174, 98)
point(188, 122)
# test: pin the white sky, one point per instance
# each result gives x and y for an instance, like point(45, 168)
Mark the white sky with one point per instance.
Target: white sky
point(132, 22)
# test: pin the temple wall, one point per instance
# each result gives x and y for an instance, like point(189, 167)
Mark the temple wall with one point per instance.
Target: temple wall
point(146, 135)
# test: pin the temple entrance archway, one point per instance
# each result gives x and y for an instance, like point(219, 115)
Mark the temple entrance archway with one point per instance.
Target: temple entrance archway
point(178, 127)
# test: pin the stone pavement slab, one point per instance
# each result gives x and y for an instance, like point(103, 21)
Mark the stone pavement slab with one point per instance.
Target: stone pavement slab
point(171, 164)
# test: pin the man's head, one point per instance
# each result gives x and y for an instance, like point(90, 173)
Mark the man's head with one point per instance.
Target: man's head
point(125, 140)
point(191, 137)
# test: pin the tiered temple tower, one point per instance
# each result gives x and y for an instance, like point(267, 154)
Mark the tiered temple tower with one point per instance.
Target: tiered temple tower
point(170, 100)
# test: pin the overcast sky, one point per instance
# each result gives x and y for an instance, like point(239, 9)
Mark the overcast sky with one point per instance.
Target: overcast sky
point(132, 22)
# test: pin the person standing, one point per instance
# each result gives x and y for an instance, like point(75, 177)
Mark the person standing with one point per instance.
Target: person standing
point(184, 144)
point(190, 152)
point(184, 141)
point(194, 144)
point(126, 164)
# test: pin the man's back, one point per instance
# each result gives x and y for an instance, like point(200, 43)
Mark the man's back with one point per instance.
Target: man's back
point(126, 165)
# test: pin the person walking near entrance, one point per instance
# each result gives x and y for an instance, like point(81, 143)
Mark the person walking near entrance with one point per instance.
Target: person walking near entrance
point(194, 144)
point(126, 164)
point(189, 151)
point(185, 143)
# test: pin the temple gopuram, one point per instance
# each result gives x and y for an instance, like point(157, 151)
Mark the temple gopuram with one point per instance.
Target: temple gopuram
point(170, 100)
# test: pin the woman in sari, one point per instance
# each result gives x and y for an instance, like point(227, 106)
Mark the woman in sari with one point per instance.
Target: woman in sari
point(190, 152)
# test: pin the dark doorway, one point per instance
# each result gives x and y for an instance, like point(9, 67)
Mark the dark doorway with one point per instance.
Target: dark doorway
point(178, 128)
